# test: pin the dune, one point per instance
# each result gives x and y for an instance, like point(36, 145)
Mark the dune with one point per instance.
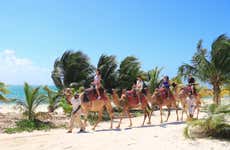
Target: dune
point(156, 136)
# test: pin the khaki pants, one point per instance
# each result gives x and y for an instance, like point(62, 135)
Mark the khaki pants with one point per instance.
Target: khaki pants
point(76, 117)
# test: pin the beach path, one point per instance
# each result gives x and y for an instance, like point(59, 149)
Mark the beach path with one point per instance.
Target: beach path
point(156, 136)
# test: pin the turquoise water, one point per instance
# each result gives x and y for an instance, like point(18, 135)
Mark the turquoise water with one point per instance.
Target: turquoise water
point(17, 91)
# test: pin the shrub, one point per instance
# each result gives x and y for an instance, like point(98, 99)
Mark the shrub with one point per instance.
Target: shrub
point(29, 126)
point(215, 125)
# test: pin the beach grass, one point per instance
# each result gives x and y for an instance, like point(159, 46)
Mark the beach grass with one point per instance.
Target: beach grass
point(29, 126)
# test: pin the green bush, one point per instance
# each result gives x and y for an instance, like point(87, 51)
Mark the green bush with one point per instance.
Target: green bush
point(215, 125)
point(65, 106)
point(29, 126)
point(93, 116)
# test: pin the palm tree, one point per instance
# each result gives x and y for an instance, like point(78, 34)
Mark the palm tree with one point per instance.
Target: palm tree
point(212, 67)
point(128, 72)
point(54, 99)
point(72, 67)
point(3, 91)
point(33, 98)
point(58, 74)
point(154, 78)
point(177, 79)
point(107, 66)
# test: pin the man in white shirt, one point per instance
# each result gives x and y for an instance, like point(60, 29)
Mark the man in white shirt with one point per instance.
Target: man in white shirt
point(76, 112)
point(191, 105)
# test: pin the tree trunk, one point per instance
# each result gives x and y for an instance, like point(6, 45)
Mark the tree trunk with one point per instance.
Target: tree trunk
point(216, 93)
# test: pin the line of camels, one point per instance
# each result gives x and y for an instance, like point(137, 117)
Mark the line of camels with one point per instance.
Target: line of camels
point(128, 101)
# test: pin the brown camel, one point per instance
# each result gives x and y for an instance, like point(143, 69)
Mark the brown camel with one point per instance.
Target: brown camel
point(128, 101)
point(90, 103)
point(182, 96)
point(161, 99)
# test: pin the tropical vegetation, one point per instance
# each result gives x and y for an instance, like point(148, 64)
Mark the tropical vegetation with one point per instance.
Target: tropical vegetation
point(72, 68)
point(33, 98)
point(3, 92)
point(154, 78)
point(108, 68)
point(211, 66)
point(53, 98)
point(216, 124)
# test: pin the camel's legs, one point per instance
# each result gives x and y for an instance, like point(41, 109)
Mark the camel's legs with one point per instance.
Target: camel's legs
point(149, 117)
point(145, 115)
point(110, 111)
point(176, 107)
point(182, 113)
point(121, 117)
point(169, 112)
point(130, 120)
point(161, 113)
point(98, 120)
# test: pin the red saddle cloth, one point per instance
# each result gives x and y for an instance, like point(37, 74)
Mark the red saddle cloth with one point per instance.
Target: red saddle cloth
point(164, 93)
point(188, 89)
point(132, 98)
point(91, 94)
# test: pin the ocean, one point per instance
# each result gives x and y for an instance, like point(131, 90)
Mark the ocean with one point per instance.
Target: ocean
point(17, 91)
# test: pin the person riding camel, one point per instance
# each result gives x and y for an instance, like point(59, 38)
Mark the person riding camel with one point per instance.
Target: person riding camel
point(97, 82)
point(166, 85)
point(139, 88)
point(191, 84)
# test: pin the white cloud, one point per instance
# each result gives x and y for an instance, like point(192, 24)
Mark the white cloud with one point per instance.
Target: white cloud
point(15, 70)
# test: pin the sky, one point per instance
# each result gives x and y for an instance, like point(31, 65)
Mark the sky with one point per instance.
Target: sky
point(161, 33)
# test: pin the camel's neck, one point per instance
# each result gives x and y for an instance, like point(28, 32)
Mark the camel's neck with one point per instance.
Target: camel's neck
point(153, 99)
point(116, 99)
point(148, 95)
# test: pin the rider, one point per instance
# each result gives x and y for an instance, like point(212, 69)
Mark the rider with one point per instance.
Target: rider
point(191, 84)
point(139, 88)
point(97, 82)
point(166, 85)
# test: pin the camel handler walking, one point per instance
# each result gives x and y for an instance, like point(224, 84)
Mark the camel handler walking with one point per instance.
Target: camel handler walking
point(76, 112)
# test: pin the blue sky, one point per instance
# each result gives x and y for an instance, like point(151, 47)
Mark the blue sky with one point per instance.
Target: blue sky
point(160, 33)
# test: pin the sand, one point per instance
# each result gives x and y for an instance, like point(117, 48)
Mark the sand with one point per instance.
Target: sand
point(156, 136)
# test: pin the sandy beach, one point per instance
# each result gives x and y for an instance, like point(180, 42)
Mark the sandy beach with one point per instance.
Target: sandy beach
point(156, 136)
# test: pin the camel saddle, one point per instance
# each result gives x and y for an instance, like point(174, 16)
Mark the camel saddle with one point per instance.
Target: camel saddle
point(132, 97)
point(164, 94)
point(90, 94)
point(188, 89)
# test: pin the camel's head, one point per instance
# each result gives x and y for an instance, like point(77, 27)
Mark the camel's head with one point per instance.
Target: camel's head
point(123, 91)
point(156, 94)
point(114, 91)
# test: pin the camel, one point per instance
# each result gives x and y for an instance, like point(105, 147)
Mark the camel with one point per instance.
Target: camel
point(129, 101)
point(182, 95)
point(90, 103)
point(159, 98)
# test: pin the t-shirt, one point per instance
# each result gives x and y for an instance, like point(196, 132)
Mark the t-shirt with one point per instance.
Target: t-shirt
point(75, 103)
point(139, 85)
point(166, 84)
point(96, 79)
point(191, 80)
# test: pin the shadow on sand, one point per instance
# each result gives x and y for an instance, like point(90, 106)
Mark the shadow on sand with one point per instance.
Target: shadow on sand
point(163, 125)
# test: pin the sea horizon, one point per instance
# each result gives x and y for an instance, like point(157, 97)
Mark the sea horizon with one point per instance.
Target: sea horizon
point(17, 91)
